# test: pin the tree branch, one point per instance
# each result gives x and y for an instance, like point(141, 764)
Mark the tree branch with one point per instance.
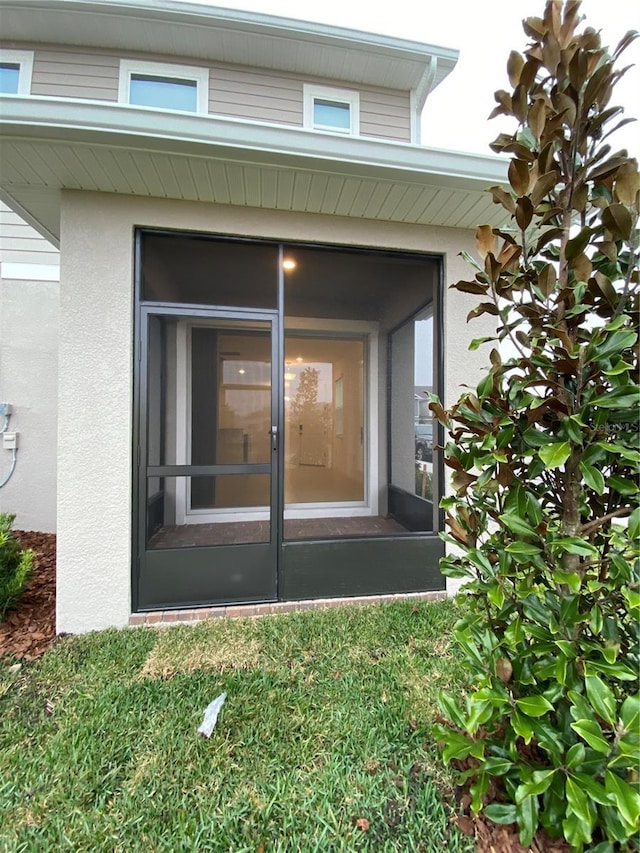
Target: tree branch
point(592, 526)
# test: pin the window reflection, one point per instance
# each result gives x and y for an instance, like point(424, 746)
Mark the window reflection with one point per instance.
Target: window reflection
point(324, 420)
point(9, 78)
point(163, 92)
point(412, 488)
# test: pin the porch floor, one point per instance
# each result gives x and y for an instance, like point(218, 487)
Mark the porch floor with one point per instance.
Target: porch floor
point(249, 532)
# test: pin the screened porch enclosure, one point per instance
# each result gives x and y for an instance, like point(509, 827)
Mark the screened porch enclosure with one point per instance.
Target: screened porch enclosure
point(284, 437)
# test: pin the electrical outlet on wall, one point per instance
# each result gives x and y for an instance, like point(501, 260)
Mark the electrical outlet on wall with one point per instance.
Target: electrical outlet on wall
point(10, 440)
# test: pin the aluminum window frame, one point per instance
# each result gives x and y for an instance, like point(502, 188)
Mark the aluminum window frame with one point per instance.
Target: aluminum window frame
point(24, 60)
point(350, 97)
point(164, 70)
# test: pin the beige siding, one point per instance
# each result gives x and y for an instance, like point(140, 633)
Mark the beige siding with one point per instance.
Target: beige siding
point(75, 74)
point(385, 113)
point(251, 94)
point(234, 91)
point(21, 244)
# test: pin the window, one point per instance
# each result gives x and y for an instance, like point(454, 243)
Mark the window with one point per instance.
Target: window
point(413, 487)
point(164, 87)
point(333, 110)
point(16, 67)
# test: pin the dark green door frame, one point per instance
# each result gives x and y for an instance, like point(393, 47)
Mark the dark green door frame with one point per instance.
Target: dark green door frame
point(191, 576)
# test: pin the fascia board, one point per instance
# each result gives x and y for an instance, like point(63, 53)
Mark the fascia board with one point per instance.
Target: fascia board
point(244, 141)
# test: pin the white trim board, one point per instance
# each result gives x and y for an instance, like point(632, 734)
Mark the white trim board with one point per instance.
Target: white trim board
point(30, 272)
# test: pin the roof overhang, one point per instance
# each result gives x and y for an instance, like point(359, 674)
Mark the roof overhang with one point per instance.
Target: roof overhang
point(207, 33)
point(49, 145)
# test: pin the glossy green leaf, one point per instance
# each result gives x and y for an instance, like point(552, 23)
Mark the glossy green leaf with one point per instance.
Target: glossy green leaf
point(496, 596)
point(591, 733)
point(630, 713)
point(522, 726)
point(622, 485)
point(476, 343)
point(626, 797)
point(592, 788)
point(555, 455)
point(517, 525)
point(541, 780)
point(477, 790)
point(570, 579)
point(601, 697)
point(527, 817)
point(573, 545)
point(621, 398)
point(619, 449)
point(593, 478)
point(501, 812)
point(577, 799)
point(524, 548)
point(534, 706)
point(576, 831)
point(619, 671)
point(611, 344)
point(457, 746)
point(575, 756)
point(451, 709)
point(497, 766)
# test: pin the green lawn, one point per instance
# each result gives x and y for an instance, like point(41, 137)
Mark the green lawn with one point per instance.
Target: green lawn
point(325, 728)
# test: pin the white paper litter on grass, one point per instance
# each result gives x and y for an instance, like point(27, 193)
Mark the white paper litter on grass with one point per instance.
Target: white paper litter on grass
point(211, 715)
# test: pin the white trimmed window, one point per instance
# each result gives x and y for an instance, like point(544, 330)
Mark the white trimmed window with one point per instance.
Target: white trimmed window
point(16, 68)
point(332, 110)
point(163, 86)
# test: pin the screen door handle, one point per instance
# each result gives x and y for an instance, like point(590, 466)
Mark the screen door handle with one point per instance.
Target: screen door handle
point(274, 437)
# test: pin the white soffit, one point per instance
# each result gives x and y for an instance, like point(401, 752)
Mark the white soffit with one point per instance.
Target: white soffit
point(224, 35)
point(49, 145)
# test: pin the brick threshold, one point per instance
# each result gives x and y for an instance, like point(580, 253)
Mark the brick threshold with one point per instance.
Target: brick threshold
point(197, 614)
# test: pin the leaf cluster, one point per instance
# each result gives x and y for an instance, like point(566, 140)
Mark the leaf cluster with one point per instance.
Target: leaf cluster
point(16, 565)
point(544, 519)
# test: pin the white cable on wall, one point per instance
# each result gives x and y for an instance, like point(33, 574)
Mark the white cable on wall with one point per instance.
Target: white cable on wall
point(14, 450)
point(14, 456)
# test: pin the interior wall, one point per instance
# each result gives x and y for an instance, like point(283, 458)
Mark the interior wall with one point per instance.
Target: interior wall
point(95, 402)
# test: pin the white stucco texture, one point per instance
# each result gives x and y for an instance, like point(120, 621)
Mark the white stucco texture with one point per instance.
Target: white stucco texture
point(96, 368)
point(28, 381)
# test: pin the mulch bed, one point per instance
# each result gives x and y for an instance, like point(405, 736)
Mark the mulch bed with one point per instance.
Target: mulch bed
point(494, 838)
point(29, 630)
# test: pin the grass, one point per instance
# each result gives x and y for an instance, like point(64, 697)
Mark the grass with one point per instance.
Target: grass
point(323, 743)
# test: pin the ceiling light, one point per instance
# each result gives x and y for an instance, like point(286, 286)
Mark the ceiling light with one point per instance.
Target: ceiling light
point(289, 264)
point(242, 370)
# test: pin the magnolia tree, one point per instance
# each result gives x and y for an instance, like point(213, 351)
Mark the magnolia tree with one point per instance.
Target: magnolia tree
point(544, 517)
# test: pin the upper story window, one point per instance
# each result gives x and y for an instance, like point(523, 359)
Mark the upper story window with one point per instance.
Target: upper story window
point(333, 110)
point(163, 86)
point(16, 67)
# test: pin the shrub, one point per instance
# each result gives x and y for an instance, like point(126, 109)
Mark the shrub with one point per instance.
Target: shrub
point(15, 565)
point(544, 518)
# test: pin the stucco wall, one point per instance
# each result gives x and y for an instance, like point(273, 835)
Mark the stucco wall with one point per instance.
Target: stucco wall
point(28, 381)
point(96, 359)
